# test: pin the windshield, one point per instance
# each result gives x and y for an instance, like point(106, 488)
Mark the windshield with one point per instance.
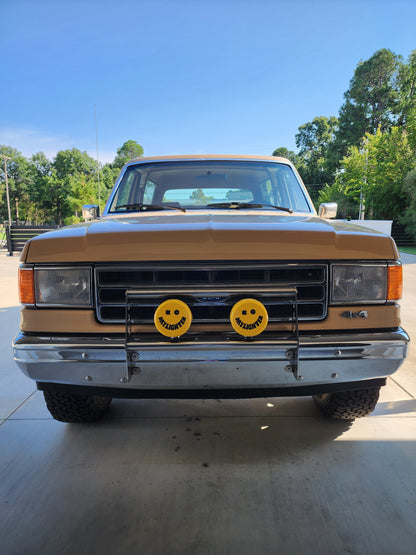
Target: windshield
point(213, 184)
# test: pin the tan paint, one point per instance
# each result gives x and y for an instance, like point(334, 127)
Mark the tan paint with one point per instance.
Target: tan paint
point(210, 235)
point(207, 235)
point(83, 321)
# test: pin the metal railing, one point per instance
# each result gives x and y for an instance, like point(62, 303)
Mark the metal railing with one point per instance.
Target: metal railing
point(18, 235)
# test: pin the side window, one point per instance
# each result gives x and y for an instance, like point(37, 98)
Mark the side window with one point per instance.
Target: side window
point(292, 194)
point(124, 190)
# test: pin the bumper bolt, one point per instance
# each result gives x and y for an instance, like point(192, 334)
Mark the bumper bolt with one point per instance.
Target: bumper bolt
point(85, 355)
point(88, 378)
point(338, 353)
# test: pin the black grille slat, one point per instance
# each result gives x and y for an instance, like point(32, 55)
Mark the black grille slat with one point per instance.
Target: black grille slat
point(112, 282)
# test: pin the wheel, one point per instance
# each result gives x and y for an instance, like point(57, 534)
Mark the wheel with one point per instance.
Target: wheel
point(71, 407)
point(348, 405)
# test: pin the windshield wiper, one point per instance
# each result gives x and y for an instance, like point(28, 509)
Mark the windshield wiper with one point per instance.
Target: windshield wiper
point(140, 207)
point(239, 205)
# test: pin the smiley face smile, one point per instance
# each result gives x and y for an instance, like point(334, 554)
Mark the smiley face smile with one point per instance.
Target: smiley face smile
point(252, 326)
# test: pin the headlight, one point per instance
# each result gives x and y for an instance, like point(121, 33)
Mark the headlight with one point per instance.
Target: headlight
point(358, 283)
point(63, 286)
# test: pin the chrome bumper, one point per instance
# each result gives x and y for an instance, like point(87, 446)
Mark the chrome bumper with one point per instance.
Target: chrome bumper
point(208, 364)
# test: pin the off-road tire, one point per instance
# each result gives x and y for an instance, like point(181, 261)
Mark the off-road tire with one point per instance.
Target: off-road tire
point(73, 408)
point(348, 405)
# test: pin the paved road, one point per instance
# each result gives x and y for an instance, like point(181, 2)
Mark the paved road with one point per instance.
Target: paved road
point(196, 477)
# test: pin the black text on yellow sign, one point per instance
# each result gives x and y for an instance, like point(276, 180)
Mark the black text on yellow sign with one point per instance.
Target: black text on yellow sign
point(173, 318)
point(249, 317)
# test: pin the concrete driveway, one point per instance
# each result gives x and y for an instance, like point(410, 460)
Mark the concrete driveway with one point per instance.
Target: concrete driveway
point(206, 477)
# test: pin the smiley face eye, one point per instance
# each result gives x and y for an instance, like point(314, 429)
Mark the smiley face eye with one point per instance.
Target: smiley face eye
point(252, 311)
point(244, 312)
point(167, 312)
point(176, 312)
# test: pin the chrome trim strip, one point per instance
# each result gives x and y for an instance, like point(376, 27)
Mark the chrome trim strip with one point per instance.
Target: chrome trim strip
point(232, 290)
point(207, 363)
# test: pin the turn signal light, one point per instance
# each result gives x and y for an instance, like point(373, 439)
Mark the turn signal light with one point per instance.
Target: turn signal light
point(394, 282)
point(27, 285)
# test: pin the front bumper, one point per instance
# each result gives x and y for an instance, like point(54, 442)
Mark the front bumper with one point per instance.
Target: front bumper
point(210, 364)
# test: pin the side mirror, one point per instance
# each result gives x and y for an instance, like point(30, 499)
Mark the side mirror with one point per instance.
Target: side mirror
point(328, 210)
point(90, 212)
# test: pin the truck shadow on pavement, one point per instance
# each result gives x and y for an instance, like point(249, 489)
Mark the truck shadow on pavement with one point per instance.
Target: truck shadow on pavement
point(206, 440)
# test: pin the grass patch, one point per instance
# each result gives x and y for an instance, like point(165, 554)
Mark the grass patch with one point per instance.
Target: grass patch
point(408, 250)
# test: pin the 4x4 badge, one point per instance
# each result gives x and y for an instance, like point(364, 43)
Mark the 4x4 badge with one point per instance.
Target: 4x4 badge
point(360, 314)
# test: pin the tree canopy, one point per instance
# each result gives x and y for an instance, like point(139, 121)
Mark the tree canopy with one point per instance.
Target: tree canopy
point(370, 148)
point(130, 149)
point(53, 191)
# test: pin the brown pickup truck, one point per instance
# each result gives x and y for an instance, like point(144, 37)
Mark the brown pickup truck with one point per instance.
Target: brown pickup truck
point(210, 276)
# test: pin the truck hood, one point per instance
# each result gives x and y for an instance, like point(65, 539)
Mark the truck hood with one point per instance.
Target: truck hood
point(209, 235)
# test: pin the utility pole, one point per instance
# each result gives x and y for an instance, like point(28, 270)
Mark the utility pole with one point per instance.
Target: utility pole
point(7, 187)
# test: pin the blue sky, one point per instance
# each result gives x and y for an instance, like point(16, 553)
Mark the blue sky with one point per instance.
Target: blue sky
point(183, 76)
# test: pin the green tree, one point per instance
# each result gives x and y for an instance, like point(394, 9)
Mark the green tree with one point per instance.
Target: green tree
point(73, 162)
point(406, 85)
point(19, 179)
point(70, 167)
point(377, 168)
point(130, 149)
point(56, 190)
point(313, 139)
point(40, 169)
point(409, 216)
point(394, 160)
point(108, 178)
point(371, 102)
point(283, 152)
point(407, 97)
point(349, 182)
point(82, 190)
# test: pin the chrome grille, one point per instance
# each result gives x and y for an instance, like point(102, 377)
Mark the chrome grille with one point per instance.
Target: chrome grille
point(198, 285)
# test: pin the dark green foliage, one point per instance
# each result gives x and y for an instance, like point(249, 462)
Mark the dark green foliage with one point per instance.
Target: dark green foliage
point(130, 149)
point(313, 140)
point(409, 216)
point(19, 180)
point(371, 147)
point(53, 192)
point(283, 152)
point(371, 102)
point(73, 162)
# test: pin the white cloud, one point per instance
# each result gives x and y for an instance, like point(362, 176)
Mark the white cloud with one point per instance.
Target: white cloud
point(30, 141)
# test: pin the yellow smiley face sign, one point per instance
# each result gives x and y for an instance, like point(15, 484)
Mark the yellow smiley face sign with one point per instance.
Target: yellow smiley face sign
point(249, 317)
point(173, 318)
